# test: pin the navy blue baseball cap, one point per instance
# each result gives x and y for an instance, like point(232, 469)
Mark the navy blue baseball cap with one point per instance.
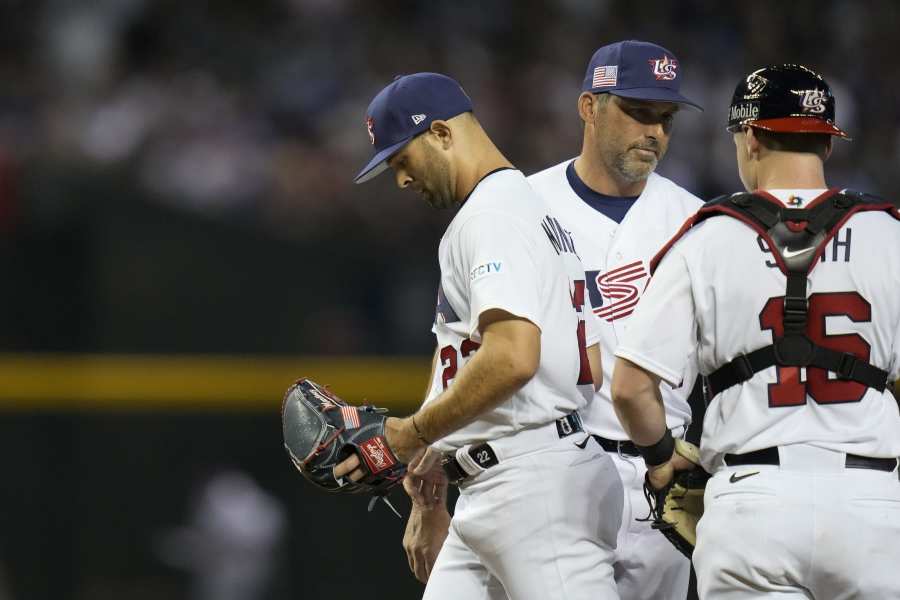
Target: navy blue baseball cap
point(635, 69)
point(406, 108)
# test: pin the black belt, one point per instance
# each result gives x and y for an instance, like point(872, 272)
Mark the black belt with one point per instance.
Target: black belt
point(625, 447)
point(485, 456)
point(769, 456)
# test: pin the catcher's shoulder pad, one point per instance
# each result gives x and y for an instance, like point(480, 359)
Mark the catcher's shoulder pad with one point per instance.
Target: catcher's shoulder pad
point(321, 430)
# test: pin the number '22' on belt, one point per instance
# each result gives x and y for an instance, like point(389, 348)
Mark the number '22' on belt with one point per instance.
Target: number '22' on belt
point(486, 457)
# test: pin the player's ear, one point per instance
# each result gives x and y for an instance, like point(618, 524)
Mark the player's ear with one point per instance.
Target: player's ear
point(752, 142)
point(587, 106)
point(829, 146)
point(442, 133)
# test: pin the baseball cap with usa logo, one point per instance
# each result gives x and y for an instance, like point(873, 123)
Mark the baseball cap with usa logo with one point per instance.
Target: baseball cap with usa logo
point(638, 70)
point(406, 108)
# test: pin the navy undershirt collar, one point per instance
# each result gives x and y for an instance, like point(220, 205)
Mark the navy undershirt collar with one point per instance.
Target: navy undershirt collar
point(614, 207)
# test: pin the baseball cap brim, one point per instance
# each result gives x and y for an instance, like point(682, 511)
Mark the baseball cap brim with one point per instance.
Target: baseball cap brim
point(798, 125)
point(378, 164)
point(655, 94)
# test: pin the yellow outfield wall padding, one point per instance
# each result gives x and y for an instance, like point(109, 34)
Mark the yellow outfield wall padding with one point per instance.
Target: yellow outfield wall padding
point(127, 382)
point(191, 382)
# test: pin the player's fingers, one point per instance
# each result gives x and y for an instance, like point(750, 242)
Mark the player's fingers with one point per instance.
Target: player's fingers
point(346, 466)
point(410, 559)
point(680, 463)
point(427, 462)
point(418, 568)
point(412, 485)
point(661, 475)
point(417, 496)
point(414, 461)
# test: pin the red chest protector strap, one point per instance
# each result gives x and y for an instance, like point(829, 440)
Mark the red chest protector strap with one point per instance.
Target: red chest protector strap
point(797, 237)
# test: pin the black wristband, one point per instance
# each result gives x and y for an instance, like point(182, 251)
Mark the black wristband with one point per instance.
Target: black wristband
point(659, 452)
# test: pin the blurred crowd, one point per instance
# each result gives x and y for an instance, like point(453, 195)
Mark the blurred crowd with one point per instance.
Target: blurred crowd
point(251, 115)
point(176, 176)
point(254, 111)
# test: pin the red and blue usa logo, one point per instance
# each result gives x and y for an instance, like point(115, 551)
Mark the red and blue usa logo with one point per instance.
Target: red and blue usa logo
point(664, 68)
point(615, 293)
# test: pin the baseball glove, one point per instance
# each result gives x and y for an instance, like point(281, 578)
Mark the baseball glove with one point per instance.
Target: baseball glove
point(676, 508)
point(321, 430)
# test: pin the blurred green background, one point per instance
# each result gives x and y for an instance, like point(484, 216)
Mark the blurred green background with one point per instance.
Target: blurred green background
point(180, 239)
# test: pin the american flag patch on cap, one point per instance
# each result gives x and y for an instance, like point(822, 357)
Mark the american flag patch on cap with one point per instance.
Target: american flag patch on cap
point(351, 417)
point(605, 76)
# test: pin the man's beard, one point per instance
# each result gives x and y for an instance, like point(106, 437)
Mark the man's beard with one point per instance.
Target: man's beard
point(437, 201)
point(634, 170)
point(439, 196)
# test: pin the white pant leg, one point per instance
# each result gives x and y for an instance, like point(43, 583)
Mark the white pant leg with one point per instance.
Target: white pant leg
point(798, 535)
point(745, 539)
point(544, 523)
point(857, 536)
point(647, 564)
point(458, 574)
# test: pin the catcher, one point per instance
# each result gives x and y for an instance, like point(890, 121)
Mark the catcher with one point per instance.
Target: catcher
point(788, 296)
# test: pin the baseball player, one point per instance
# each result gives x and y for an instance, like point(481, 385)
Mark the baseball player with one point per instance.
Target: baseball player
point(622, 213)
point(789, 297)
point(511, 370)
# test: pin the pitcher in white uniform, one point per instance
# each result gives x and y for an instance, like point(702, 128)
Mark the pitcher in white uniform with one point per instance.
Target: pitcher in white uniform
point(789, 296)
point(621, 214)
point(510, 374)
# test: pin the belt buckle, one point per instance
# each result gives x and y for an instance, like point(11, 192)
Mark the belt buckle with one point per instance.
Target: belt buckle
point(569, 424)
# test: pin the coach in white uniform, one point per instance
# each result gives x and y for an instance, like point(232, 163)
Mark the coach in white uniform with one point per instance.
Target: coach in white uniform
point(804, 501)
point(502, 408)
point(621, 214)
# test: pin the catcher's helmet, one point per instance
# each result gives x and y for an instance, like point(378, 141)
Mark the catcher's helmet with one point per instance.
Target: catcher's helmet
point(784, 98)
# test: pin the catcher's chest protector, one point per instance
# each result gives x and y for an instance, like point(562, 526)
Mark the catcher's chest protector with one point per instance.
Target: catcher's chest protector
point(797, 238)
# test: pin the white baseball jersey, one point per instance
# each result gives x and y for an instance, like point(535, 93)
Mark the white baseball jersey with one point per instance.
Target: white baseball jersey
point(505, 250)
point(616, 259)
point(718, 293)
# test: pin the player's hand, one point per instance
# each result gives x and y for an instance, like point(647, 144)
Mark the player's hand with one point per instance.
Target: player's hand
point(425, 481)
point(425, 533)
point(406, 446)
point(661, 475)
